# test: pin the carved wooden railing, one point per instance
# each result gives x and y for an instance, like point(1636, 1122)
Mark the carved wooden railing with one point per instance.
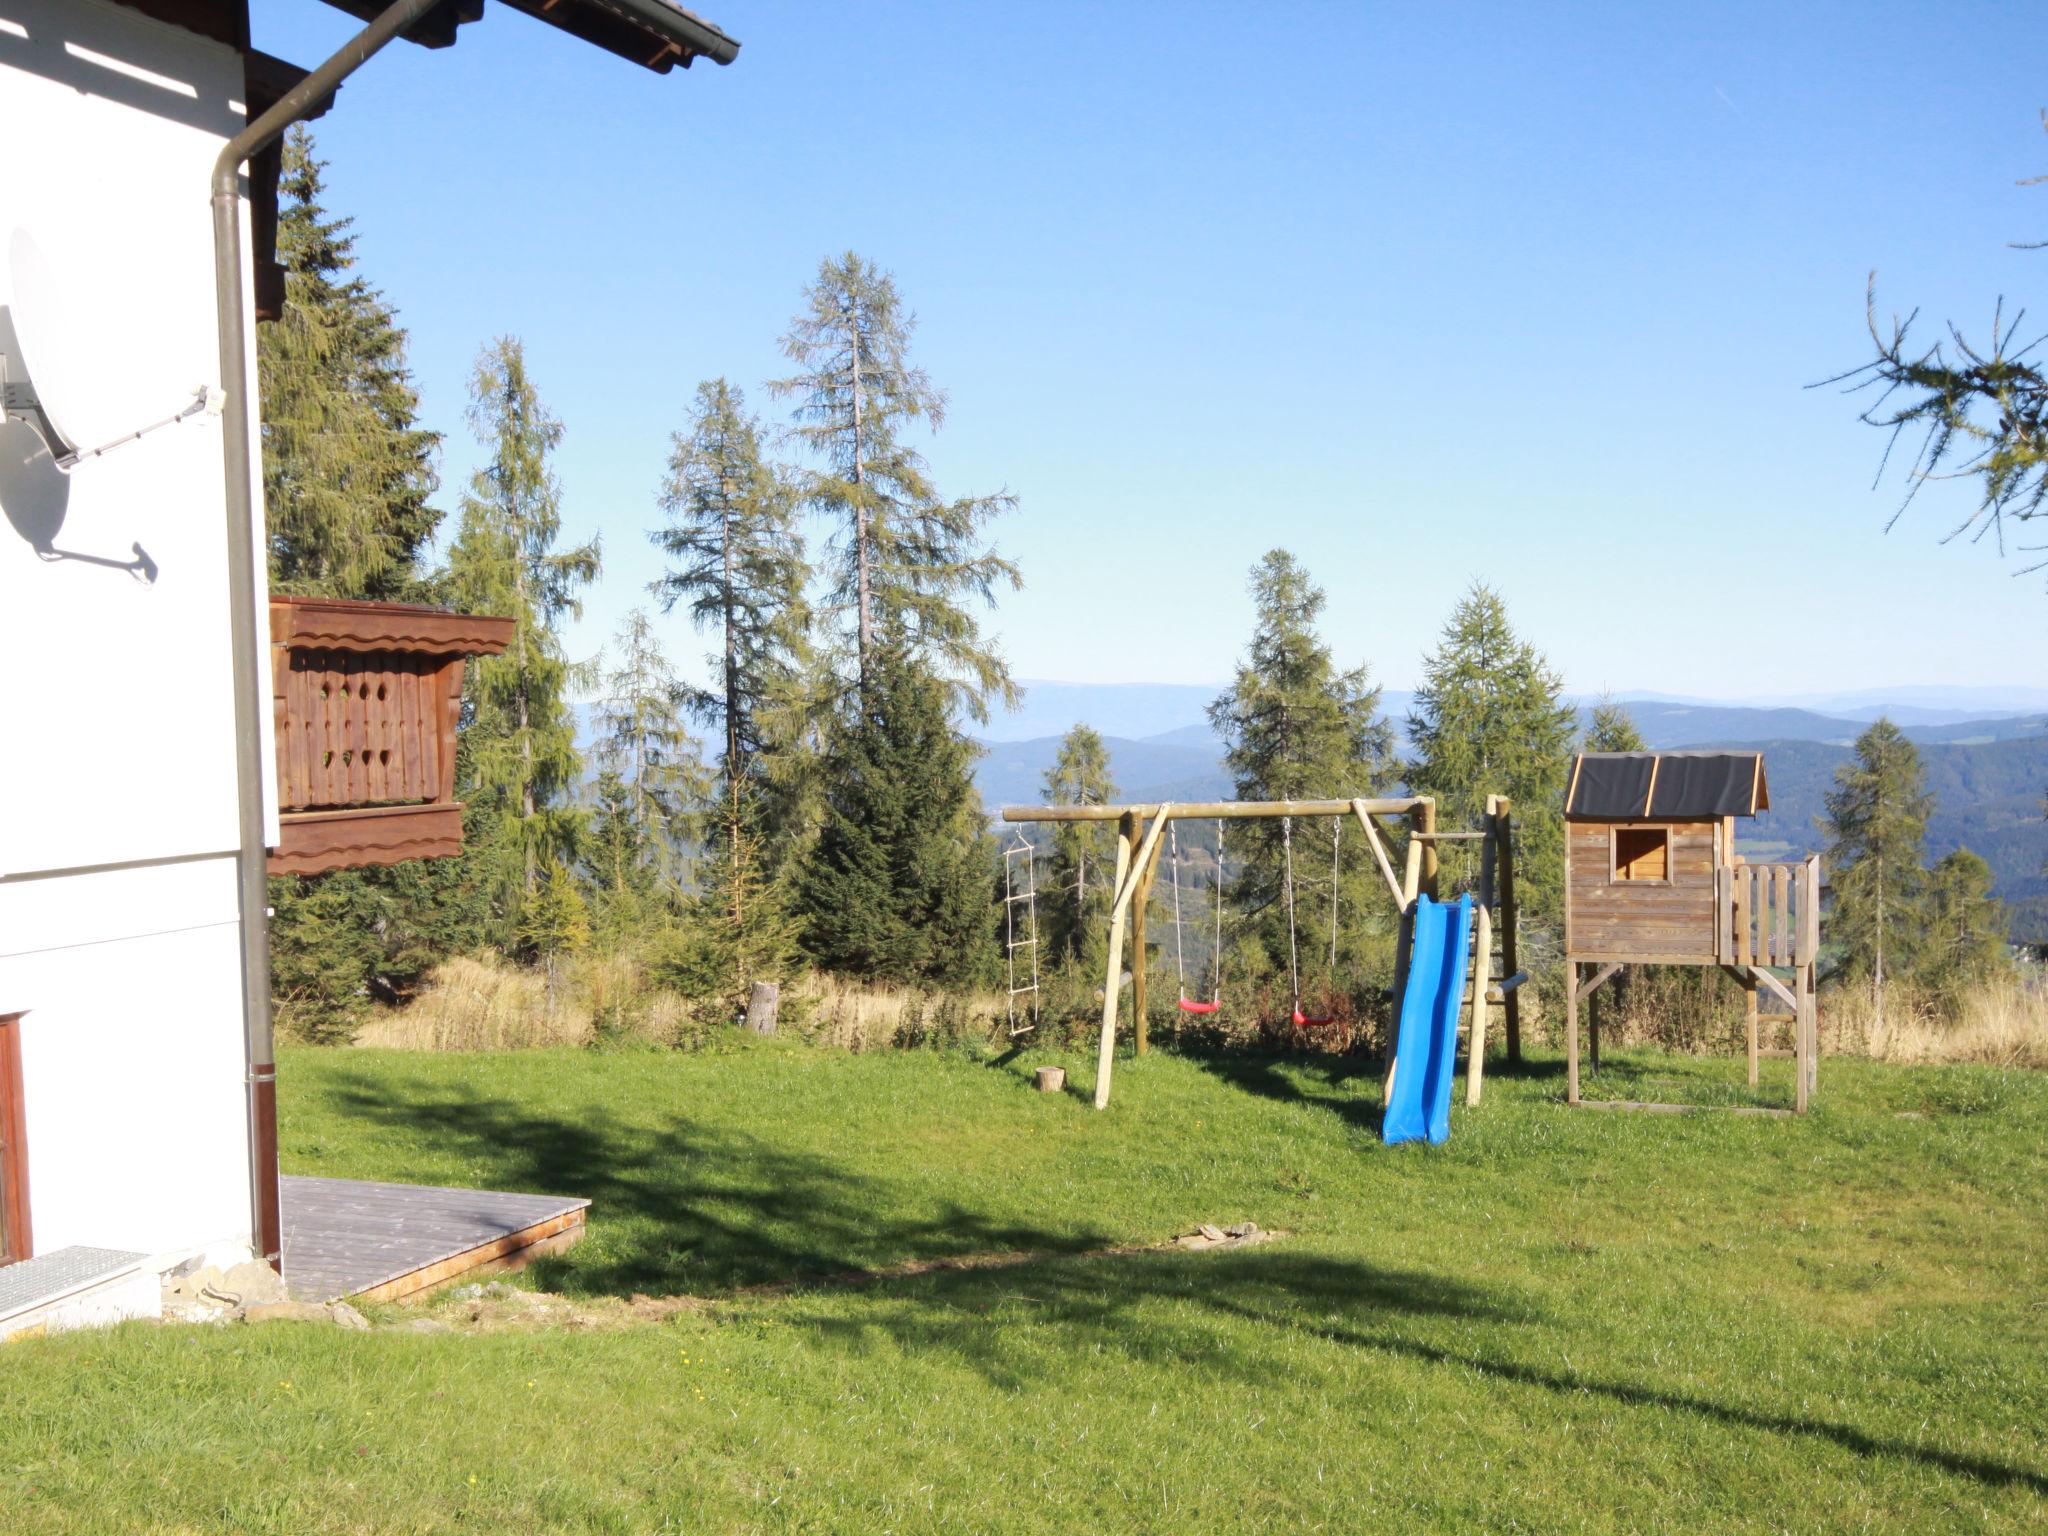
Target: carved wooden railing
point(366, 697)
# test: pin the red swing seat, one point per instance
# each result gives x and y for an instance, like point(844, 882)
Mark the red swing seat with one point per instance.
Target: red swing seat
point(1303, 1021)
point(1192, 1007)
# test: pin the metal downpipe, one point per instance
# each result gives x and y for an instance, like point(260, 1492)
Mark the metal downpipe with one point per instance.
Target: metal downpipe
point(248, 646)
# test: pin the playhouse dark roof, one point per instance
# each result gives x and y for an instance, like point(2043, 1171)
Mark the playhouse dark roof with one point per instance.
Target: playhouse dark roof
point(1666, 786)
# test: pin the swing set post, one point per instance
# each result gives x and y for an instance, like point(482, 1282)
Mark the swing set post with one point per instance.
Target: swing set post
point(1140, 1019)
point(1126, 840)
point(1139, 845)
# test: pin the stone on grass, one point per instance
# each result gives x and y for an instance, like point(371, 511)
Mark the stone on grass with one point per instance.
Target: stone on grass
point(287, 1312)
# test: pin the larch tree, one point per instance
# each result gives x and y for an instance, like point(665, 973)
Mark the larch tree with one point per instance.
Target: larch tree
point(1963, 944)
point(505, 560)
point(1876, 824)
point(1489, 719)
point(1971, 410)
point(900, 884)
point(1295, 727)
point(1075, 901)
point(642, 741)
point(904, 558)
point(347, 470)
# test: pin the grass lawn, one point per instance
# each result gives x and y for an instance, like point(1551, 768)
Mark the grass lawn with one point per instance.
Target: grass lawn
point(1576, 1321)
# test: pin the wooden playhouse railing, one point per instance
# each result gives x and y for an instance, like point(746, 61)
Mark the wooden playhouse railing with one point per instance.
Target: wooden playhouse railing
point(1769, 914)
point(1768, 920)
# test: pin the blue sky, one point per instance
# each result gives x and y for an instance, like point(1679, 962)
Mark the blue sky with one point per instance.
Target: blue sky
point(1522, 294)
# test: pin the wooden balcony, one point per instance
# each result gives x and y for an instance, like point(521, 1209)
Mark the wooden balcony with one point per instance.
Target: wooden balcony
point(366, 698)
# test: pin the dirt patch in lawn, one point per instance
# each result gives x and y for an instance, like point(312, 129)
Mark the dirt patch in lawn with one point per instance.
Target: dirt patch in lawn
point(497, 1306)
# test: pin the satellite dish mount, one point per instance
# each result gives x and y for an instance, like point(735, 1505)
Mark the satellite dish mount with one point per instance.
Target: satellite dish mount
point(46, 386)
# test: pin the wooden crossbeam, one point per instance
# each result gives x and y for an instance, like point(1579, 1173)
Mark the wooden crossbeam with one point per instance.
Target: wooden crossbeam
point(1214, 810)
point(1599, 977)
point(1775, 987)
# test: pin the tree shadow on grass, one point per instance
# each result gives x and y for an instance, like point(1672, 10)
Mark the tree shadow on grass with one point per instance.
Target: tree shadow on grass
point(1106, 1303)
point(687, 1207)
point(1346, 1086)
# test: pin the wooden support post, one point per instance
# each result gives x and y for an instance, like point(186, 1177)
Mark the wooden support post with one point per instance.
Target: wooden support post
point(1423, 819)
point(1475, 1044)
point(1571, 1031)
point(1126, 841)
point(1808, 1025)
point(1504, 842)
point(1482, 965)
point(1404, 937)
point(1139, 1017)
point(1801, 1043)
point(1379, 849)
point(1749, 1008)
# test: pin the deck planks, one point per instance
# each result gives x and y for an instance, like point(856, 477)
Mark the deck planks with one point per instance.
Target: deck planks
point(343, 1237)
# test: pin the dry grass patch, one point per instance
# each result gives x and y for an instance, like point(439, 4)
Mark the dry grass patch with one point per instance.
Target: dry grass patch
point(2002, 1024)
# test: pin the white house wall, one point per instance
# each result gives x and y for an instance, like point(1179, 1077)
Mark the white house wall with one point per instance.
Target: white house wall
point(118, 929)
point(131, 1057)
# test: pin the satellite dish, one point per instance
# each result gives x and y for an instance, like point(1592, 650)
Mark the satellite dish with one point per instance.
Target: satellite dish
point(40, 330)
point(82, 406)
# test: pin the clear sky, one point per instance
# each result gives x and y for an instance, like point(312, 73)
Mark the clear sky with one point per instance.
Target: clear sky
point(1519, 293)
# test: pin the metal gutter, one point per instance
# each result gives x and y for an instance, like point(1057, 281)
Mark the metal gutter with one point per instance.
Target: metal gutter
point(689, 34)
point(237, 377)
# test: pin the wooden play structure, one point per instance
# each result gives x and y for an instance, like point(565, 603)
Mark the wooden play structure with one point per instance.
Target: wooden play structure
point(1144, 831)
point(1653, 878)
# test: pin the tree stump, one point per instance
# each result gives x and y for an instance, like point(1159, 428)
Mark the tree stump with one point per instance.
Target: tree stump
point(762, 1006)
point(1051, 1079)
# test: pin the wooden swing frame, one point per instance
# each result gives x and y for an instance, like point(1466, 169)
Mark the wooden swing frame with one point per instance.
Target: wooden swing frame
point(1140, 839)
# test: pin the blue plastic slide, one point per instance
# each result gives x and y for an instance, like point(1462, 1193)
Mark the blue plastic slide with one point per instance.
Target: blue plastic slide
point(1426, 1045)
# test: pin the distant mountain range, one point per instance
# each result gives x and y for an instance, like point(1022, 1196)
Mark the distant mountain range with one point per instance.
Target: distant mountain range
point(1987, 771)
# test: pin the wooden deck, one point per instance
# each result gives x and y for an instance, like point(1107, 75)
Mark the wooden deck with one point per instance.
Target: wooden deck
point(379, 1242)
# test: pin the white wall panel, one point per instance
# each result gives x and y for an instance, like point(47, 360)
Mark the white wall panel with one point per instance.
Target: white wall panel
point(117, 693)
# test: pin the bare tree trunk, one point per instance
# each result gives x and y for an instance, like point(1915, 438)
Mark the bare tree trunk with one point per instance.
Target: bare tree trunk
point(526, 805)
point(863, 553)
point(732, 721)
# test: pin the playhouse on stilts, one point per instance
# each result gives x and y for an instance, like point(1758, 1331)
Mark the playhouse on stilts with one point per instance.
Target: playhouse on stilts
point(1653, 878)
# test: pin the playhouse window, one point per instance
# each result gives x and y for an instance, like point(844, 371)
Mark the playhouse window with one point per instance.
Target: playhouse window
point(1642, 853)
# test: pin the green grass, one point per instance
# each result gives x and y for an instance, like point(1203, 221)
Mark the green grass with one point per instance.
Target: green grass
point(1569, 1321)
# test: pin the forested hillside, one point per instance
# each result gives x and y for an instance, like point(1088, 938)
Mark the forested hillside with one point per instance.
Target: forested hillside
point(1988, 791)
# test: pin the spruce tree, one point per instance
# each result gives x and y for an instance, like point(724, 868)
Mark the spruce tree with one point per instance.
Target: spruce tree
point(1075, 898)
point(905, 559)
point(1612, 728)
point(504, 561)
point(1876, 823)
point(641, 741)
point(1964, 942)
point(1489, 720)
point(899, 886)
point(347, 470)
point(347, 475)
point(1295, 727)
